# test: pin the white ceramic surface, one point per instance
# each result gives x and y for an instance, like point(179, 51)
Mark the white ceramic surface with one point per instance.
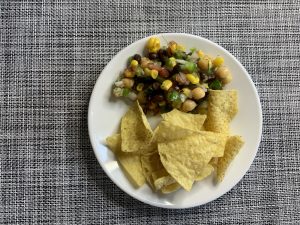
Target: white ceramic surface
point(104, 118)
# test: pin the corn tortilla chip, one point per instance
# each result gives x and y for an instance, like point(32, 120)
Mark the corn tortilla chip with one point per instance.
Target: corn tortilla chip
point(222, 107)
point(232, 148)
point(169, 132)
point(151, 163)
point(214, 162)
point(114, 142)
point(135, 129)
point(185, 120)
point(204, 172)
point(131, 165)
point(159, 183)
point(152, 146)
point(129, 162)
point(161, 178)
point(159, 173)
point(185, 157)
point(170, 188)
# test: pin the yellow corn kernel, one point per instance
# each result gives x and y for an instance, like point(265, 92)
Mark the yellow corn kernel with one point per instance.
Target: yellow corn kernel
point(187, 92)
point(200, 54)
point(173, 46)
point(218, 61)
point(153, 44)
point(192, 78)
point(154, 74)
point(180, 48)
point(147, 71)
point(166, 85)
point(128, 73)
point(140, 87)
point(134, 63)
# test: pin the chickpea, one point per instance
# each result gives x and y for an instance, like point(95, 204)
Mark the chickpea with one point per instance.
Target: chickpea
point(128, 83)
point(227, 79)
point(222, 72)
point(188, 105)
point(144, 62)
point(204, 63)
point(198, 93)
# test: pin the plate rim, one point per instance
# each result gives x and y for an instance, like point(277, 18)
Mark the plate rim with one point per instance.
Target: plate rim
point(138, 197)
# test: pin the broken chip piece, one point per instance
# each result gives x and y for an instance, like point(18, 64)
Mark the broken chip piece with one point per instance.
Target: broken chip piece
point(232, 148)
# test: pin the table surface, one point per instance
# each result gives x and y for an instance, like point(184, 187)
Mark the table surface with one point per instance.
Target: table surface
point(52, 52)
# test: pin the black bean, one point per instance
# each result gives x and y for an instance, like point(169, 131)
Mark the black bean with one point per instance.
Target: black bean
point(137, 57)
point(162, 55)
point(176, 69)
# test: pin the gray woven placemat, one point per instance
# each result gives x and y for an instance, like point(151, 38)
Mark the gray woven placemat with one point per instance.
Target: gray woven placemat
point(52, 52)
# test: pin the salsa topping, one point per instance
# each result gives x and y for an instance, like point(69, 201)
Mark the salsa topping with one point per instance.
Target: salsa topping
point(168, 77)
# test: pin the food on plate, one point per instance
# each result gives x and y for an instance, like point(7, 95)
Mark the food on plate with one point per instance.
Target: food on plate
point(205, 172)
point(170, 188)
point(177, 153)
point(161, 179)
point(169, 77)
point(185, 120)
point(114, 142)
point(135, 130)
point(150, 164)
point(185, 158)
point(193, 140)
point(129, 162)
point(232, 148)
point(166, 131)
point(222, 107)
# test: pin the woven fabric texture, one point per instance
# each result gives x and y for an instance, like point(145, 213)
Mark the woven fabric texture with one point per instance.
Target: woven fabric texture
point(52, 52)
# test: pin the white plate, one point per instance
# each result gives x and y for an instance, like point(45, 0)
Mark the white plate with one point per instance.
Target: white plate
point(104, 118)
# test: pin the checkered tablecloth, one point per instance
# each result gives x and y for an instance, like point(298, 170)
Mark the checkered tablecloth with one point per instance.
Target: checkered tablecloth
point(52, 52)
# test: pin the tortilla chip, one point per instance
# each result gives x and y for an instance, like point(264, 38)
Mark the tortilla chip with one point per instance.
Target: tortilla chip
point(232, 148)
point(114, 142)
point(185, 120)
point(135, 129)
point(159, 173)
point(151, 163)
point(131, 165)
point(185, 157)
point(161, 182)
point(214, 162)
point(161, 179)
point(169, 132)
point(170, 188)
point(222, 107)
point(204, 172)
point(152, 146)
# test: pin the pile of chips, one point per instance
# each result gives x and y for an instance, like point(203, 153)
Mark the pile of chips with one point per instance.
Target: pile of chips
point(183, 149)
